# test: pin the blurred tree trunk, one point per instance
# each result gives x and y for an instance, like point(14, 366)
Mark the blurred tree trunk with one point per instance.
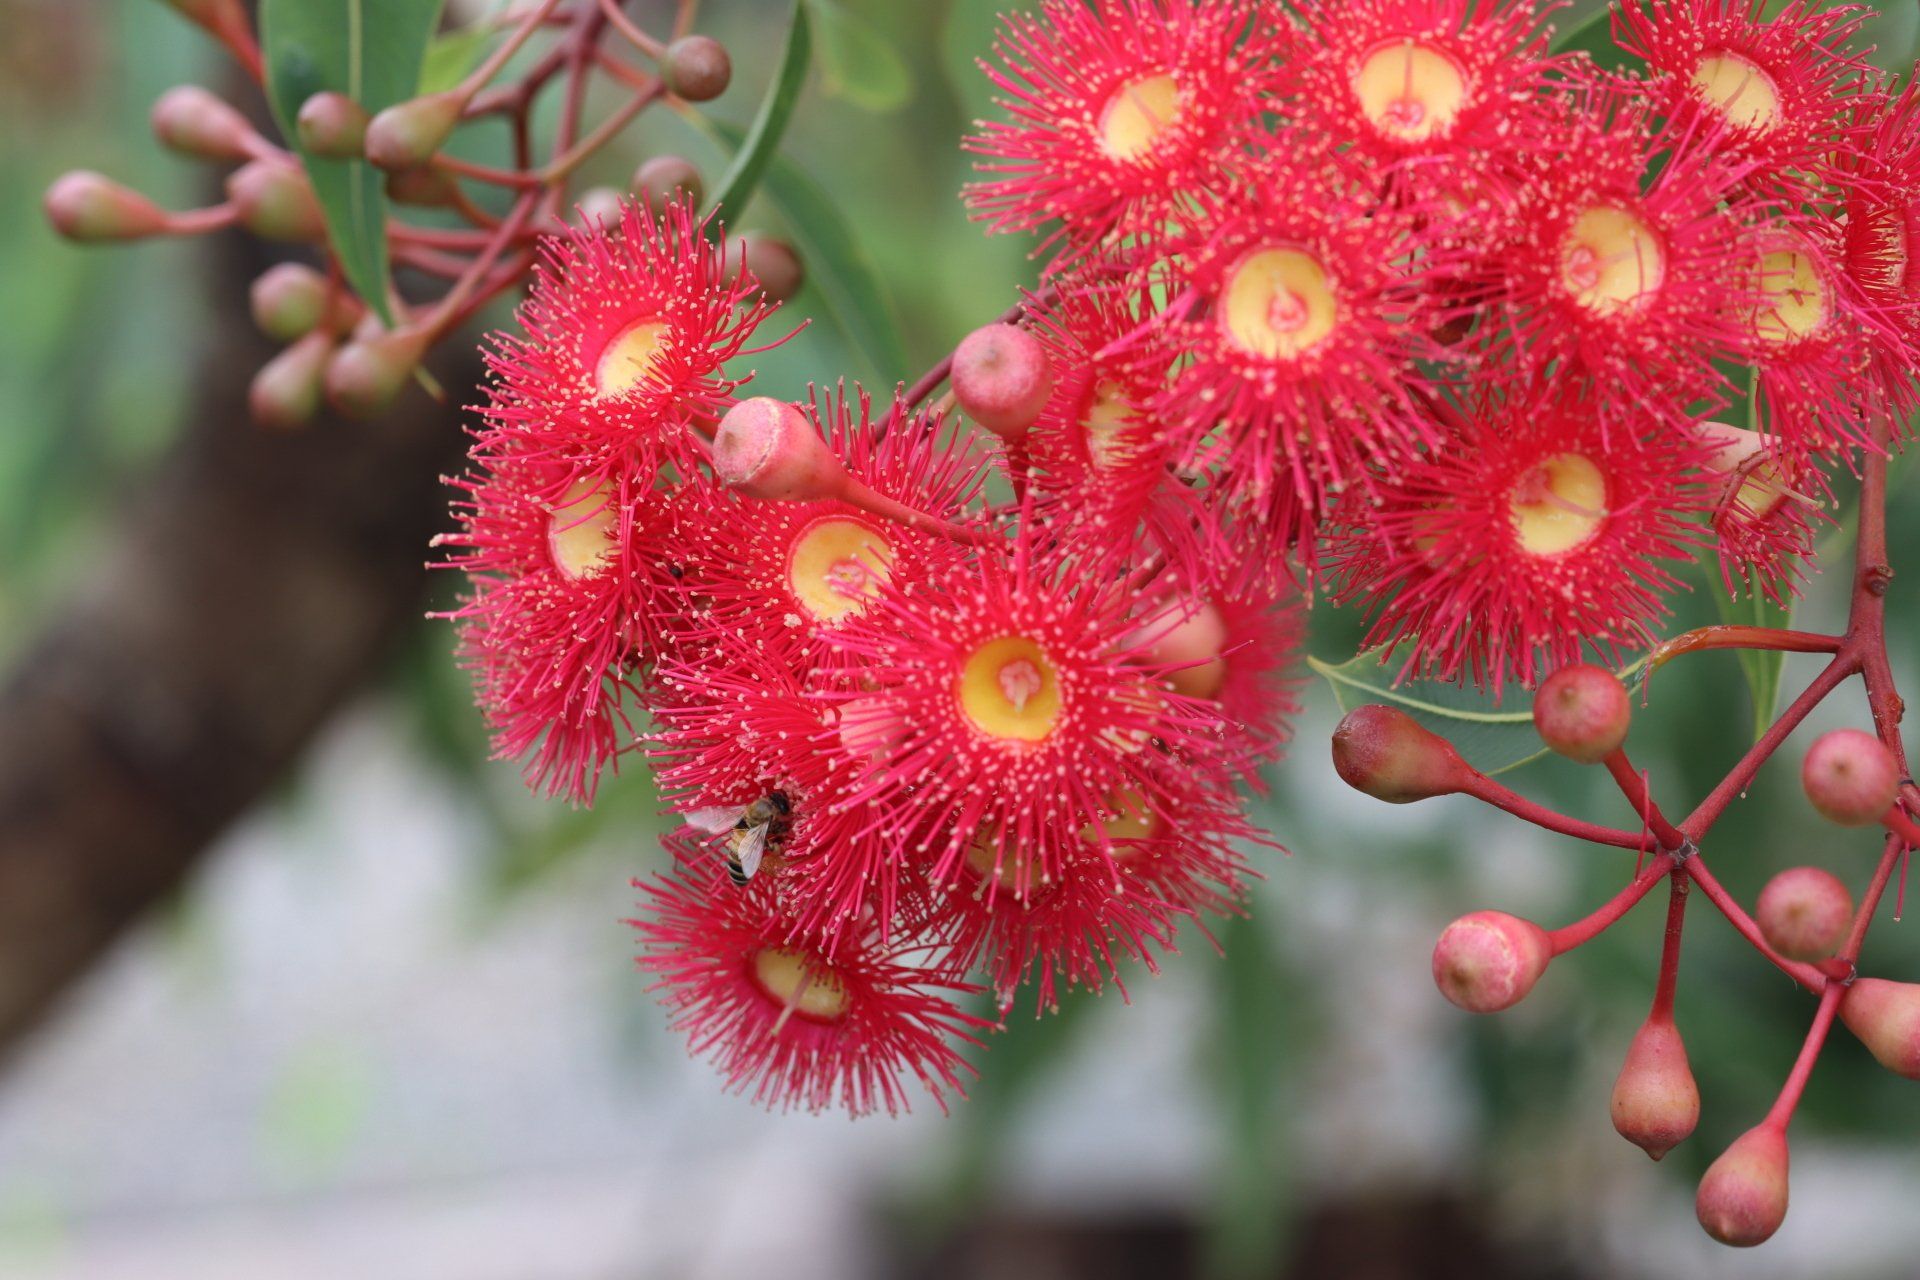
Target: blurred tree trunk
point(254, 584)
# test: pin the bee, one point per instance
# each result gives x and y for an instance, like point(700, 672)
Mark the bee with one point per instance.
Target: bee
point(748, 831)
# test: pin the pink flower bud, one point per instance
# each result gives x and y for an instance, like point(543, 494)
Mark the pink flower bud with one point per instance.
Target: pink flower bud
point(332, 125)
point(367, 373)
point(598, 207)
point(1002, 378)
point(194, 122)
point(288, 300)
point(1582, 712)
point(1886, 1018)
point(766, 448)
point(1655, 1101)
point(1390, 756)
point(89, 207)
point(1804, 913)
point(1489, 960)
point(1850, 777)
point(664, 179)
point(773, 263)
point(697, 68)
point(286, 392)
point(1743, 1197)
point(408, 133)
point(1188, 637)
point(275, 201)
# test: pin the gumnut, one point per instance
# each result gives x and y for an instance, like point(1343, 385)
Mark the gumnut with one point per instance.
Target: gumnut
point(1743, 1197)
point(332, 125)
point(194, 122)
point(1886, 1018)
point(90, 207)
point(664, 179)
point(1656, 1104)
point(1489, 960)
point(285, 393)
point(1804, 913)
point(408, 133)
point(697, 68)
point(766, 448)
point(275, 201)
point(367, 373)
point(1002, 378)
point(1582, 712)
point(1850, 777)
point(1391, 756)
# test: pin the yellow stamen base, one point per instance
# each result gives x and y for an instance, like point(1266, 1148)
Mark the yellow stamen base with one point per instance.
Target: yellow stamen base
point(1739, 89)
point(1792, 301)
point(836, 565)
point(630, 358)
point(800, 985)
point(1611, 260)
point(1279, 303)
point(1410, 91)
point(1127, 819)
point(1138, 114)
point(1559, 505)
point(1009, 689)
point(580, 531)
point(1110, 415)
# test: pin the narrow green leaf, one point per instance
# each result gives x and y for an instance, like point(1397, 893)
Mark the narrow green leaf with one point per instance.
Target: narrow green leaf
point(1593, 37)
point(770, 123)
point(1492, 738)
point(372, 51)
point(857, 63)
point(453, 54)
point(1763, 668)
point(842, 272)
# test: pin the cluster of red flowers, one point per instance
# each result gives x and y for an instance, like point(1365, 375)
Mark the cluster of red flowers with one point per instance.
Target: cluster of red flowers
point(1381, 296)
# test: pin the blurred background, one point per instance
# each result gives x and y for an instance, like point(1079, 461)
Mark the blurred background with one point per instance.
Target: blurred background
point(339, 999)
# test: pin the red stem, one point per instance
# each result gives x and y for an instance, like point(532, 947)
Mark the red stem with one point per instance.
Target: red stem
point(1483, 788)
point(1804, 974)
point(1662, 1010)
point(1633, 785)
point(1583, 931)
point(1796, 1084)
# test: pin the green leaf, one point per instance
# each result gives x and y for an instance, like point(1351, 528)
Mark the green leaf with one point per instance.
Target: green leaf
point(372, 51)
point(453, 54)
point(840, 269)
point(1763, 668)
point(1593, 37)
point(1493, 739)
point(857, 63)
point(770, 123)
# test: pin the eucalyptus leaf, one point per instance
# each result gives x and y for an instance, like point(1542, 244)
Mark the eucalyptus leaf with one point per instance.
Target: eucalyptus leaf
point(453, 54)
point(1491, 737)
point(857, 63)
point(757, 151)
point(1594, 37)
point(371, 51)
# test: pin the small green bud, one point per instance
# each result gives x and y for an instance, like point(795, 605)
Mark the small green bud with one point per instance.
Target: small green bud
point(407, 134)
point(194, 122)
point(332, 125)
point(90, 207)
point(286, 392)
point(275, 201)
point(367, 373)
point(664, 179)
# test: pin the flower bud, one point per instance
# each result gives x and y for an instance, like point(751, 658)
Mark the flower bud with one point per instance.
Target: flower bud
point(773, 263)
point(1188, 637)
point(194, 122)
point(1743, 1197)
point(408, 133)
point(697, 68)
point(1804, 913)
point(1655, 1101)
point(332, 125)
point(367, 373)
point(1850, 777)
point(1885, 1016)
point(766, 448)
point(276, 202)
point(286, 392)
point(1390, 756)
point(665, 179)
point(598, 207)
point(1582, 712)
point(288, 300)
point(1489, 960)
point(89, 207)
point(1002, 378)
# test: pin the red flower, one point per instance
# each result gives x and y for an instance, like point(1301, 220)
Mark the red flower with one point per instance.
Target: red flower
point(1767, 501)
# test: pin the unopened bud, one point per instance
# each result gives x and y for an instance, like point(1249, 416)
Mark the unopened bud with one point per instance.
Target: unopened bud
point(1656, 1104)
point(598, 208)
point(286, 392)
point(332, 125)
point(1582, 712)
point(665, 179)
point(194, 122)
point(1188, 638)
point(1002, 378)
point(367, 373)
point(1886, 1018)
point(1850, 777)
point(408, 133)
point(288, 300)
point(697, 68)
point(1391, 756)
point(90, 207)
point(766, 448)
point(1489, 960)
point(773, 263)
point(1804, 913)
point(1743, 1197)
point(275, 201)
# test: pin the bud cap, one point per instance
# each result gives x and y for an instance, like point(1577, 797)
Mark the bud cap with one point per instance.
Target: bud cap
point(1390, 756)
point(1002, 378)
point(1582, 712)
point(1489, 960)
point(1850, 777)
point(1656, 1103)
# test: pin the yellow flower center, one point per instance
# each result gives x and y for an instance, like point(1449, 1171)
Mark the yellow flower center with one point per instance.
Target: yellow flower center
point(800, 984)
point(1792, 296)
point(1137, 114)
point(1278, 303)
point(1611, 260)
point(630, 358)
point(1010, 689)
point(836, 565)
point(1558, 505)
point(1126, 819)
point(1409, 90)
point(1739, 89)
point(1007, 868)
point(580, 531)
point(1109, 415)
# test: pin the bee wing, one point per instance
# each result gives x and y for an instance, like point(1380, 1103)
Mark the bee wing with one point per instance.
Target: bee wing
point(753, 846)
point(714, 821)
